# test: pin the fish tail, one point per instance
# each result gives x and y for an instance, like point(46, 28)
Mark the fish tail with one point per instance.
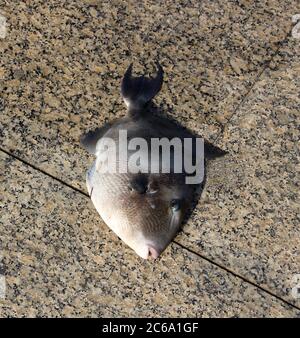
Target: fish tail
point(137, 92)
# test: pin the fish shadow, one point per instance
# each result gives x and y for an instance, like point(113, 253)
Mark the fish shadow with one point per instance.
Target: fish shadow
point(211, 152)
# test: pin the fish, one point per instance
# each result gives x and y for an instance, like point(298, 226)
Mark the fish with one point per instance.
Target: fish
point(145, 208)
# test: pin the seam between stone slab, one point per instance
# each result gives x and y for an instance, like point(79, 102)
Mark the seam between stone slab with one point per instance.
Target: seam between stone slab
point(243, 99)
point(236, 275)
point(257, 79)
point(43, 171)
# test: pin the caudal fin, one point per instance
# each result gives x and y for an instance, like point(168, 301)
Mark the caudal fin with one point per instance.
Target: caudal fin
point(138, 91)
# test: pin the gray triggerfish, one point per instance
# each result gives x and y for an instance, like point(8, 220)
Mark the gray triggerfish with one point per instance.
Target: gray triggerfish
point(141, 180)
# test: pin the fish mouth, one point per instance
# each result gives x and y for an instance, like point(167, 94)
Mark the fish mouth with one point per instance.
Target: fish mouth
point(144, 250)
point(149, 253)
point(153, 253)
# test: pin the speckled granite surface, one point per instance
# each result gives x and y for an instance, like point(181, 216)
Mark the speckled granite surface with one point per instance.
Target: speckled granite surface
point(60, 69)
point(59, 260)
point(248, 219)
point(61, 63)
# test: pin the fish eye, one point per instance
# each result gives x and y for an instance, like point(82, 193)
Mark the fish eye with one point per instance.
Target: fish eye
point(175, 204)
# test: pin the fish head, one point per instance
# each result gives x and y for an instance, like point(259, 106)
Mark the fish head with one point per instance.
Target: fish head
point(148, 217)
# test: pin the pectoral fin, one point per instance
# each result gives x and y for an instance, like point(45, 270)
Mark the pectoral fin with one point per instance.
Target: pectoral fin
point(211, 152)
